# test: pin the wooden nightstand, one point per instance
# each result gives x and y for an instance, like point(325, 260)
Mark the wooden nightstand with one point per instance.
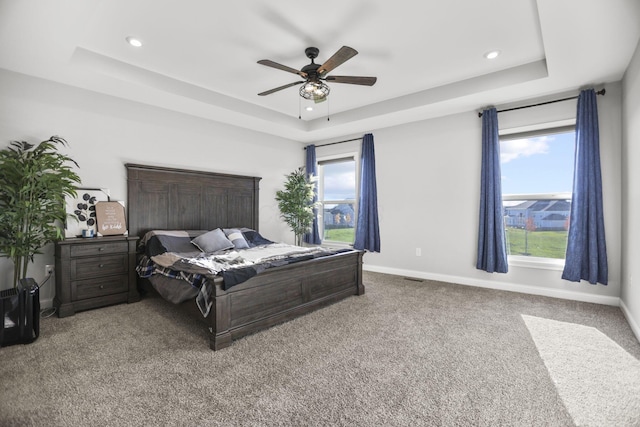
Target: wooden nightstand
point(95, 272)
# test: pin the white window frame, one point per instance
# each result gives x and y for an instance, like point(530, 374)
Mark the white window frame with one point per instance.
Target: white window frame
point(529, 132)
point(331, 159)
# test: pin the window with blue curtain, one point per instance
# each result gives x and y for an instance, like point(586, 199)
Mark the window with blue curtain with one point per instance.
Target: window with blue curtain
point(368, 229)
point(586, 257)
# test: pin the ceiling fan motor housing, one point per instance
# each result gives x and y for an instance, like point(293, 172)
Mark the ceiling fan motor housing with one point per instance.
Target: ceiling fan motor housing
point(312, 52)
point(312, 71)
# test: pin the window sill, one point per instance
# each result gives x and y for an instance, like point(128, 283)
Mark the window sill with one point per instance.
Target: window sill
point(536, 262)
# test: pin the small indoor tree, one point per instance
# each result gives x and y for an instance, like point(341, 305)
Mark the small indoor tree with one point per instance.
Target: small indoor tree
point(34, 180)
point(296, 203)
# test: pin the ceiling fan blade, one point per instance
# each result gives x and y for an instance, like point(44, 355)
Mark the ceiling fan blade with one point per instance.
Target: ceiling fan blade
point(340, 57)
point(354, 80)
point(269, 92)
point(272, 64)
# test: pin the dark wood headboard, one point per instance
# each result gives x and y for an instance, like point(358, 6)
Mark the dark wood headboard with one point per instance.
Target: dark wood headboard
point(161, 198)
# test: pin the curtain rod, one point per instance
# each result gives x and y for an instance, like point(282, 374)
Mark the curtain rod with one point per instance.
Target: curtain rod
point(600, 92)
point(337, 142)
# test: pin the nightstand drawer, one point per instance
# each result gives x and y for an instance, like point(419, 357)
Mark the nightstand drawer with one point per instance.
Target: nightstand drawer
point(98, 248)
point(85, 268)
point(91, 288)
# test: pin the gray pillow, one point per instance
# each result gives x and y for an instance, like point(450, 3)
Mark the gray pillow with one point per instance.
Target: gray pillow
point(236, 238)
point(213, 241)
point(254, 238)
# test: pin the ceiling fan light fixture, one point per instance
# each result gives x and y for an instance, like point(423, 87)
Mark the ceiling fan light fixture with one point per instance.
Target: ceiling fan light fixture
point(314, 90)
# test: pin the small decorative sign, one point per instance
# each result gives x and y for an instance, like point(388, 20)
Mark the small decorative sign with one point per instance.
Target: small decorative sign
point(111, 219)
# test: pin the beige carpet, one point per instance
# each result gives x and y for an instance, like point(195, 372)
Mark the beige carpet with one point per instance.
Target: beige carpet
point(598, 381)
point(404, 354)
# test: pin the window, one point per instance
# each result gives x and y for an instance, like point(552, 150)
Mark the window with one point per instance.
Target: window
point(537, 180)
point(337, 197)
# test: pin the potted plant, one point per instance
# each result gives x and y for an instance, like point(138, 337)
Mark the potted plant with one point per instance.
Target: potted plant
point(34, 181)
point(296, 203)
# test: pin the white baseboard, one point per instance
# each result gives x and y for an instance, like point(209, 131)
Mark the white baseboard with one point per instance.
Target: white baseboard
point(635, 326)
point(525, 289)
point(46, 303)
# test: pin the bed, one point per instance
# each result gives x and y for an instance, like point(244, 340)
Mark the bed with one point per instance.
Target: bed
point(162, 198)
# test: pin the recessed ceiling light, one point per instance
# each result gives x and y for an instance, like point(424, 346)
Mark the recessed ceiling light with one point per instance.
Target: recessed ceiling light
point(493, 54)
point(134, 41)
point(309, 108)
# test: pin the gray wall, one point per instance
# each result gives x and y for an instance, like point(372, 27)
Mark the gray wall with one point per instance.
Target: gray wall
point(427, 175)
point(105, 132)
point(428, 195)
point(630, 296)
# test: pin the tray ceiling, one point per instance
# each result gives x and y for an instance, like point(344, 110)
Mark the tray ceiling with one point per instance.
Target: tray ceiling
point(200, 57)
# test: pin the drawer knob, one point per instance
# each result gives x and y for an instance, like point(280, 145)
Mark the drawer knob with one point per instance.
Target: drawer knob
point(101, 286)
point(101, 265)
point(101, 249)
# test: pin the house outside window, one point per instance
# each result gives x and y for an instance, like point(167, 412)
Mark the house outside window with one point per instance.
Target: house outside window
point(537, 181)
point(337, 195)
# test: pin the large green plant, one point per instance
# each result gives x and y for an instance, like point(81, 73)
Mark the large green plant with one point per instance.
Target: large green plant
point(34, 181)
point(296, 203)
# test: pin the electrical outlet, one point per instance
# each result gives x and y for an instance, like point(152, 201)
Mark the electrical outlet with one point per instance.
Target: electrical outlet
point(48, 269)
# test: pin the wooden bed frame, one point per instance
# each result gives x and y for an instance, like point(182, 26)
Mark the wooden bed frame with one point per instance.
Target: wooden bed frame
point(175, 199)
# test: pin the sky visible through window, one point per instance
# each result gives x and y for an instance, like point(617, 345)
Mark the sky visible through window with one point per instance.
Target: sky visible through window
point(340, 180)
point(538, 165)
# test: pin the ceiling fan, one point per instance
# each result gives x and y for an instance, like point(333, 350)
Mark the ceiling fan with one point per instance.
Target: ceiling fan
point(314, 75)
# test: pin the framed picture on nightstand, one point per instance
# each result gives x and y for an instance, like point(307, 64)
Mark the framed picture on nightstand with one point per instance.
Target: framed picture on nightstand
point(81, 210)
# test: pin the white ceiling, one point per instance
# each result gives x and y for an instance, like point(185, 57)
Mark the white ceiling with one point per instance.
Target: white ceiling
point(200, 56)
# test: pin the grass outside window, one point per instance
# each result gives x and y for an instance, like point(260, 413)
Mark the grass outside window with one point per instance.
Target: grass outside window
point(344, 235)
point(545, 244)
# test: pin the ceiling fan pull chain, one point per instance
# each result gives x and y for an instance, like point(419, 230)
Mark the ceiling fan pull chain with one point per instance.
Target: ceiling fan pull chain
point(299, 109)
point(328, 114)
